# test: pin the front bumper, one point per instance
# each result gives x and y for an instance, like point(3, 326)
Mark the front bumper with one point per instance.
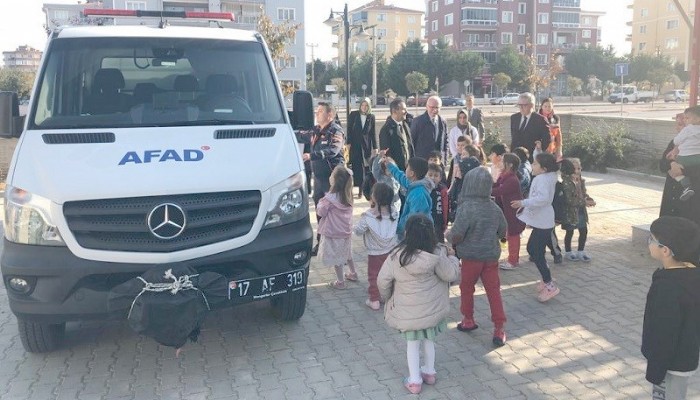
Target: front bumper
point(68, 288)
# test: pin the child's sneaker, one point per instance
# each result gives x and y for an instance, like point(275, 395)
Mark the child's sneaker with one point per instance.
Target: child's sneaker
point(374, 305)
point(467, 325)
point(583, 256)
point(506, 265)
point(351, 276)
point(428, 379)
point(571, 256)
point(548, 292)
point(558, 258)
point(499, 338)
point(540, 286)
point(414, 388)
point(337, 285)
point(687, 194)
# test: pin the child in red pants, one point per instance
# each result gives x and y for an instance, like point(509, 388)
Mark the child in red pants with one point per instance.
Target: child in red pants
point(476, 232)
point(378, 229)
point(505, 190)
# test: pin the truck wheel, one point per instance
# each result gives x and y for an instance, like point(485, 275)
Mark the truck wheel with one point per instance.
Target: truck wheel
point(291, 306)
point(625, 101)
point(40, 338)
point(501, 102)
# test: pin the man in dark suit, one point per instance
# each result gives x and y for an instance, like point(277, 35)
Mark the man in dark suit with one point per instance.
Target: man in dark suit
point(528, 127)
point(395, 136)
point(429, 131)
point(476, 117)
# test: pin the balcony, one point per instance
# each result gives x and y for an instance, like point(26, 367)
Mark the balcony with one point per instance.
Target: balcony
point(479, 24)
point(478, 46)
point(567, 3)
point(565, 47)
point(566, 25)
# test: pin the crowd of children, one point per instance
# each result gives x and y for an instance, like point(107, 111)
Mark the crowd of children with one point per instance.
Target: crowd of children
point(411, 247)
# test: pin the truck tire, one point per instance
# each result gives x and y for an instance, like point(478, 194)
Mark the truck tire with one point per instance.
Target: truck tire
point(625, 101)
point(501, 102)
point(290, 307)
point(40, 338)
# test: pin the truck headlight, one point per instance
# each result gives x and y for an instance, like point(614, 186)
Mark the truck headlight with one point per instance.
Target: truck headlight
point(290, 201)
point(28, 219)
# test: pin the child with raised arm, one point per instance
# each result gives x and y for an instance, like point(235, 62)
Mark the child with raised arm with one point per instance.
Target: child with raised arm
point(687, 149)
point(417, 188)
point(378, 229)
point(335, 226)
point(415, 281)
point(671, 332)
point(475, 234)
point(538, 213)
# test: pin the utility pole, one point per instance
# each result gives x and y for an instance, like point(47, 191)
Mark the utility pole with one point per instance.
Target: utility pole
point(313, 59)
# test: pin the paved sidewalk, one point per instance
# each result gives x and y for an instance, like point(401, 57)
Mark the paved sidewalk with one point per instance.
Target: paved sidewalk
point(584, 344)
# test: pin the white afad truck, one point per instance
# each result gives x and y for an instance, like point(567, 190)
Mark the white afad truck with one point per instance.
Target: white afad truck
point(151, 145)
point(629, 93)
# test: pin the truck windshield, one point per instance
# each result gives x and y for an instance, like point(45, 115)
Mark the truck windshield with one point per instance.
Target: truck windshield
point(132, 82)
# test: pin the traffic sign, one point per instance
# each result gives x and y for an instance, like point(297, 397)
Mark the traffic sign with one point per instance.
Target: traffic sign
point(622, 69)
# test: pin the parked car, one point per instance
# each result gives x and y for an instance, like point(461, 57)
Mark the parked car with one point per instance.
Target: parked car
point(676, 95)
point(629, 93)
point(508, 98)
point(453, 101)
point(381, 101)
point(422, 99)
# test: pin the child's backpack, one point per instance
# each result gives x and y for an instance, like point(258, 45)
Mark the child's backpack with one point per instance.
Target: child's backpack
point(559, 203)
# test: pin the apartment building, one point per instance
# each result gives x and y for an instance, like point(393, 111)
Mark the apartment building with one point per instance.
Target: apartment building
point(24, 58)
point(658, 27)
point(246, 13)
point(485, 26)
point(392, 27)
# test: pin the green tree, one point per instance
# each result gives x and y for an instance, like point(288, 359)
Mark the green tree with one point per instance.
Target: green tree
point(438, 63)
point(14, 80)
point(511, 63)
point(642, 65)
point(681, 73)
point(466, 65)
point(409, 58)
point(416, 82)
point(339, 86)
point(586, 61)
point(574, 84)
point(658, 77)
point(501, 81)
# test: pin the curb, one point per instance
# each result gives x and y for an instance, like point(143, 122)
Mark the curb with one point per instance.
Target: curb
point(637, 175)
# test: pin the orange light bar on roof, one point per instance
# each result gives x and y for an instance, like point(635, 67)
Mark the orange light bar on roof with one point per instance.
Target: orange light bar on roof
point(211, 16)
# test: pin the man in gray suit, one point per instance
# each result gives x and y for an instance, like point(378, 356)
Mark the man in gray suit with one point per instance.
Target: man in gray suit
point(476, 117)
point(429, 131)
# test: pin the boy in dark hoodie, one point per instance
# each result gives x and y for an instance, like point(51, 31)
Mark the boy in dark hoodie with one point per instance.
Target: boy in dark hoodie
point(476, 233)
point(671, 332)
point(441, 203)
point(417, 188)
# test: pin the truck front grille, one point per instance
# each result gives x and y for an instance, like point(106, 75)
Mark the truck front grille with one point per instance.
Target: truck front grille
point(122, 224)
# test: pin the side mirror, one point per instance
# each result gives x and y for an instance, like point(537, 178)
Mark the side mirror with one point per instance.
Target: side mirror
point(303, 110)
point(11, 123)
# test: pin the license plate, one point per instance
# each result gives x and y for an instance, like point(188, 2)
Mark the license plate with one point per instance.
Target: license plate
point(245, 290)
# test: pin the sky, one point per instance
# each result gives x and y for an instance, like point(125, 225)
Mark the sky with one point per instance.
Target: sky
point(21, 22)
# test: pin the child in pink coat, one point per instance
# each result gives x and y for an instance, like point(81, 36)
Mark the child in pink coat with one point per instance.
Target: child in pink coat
point(505, 190)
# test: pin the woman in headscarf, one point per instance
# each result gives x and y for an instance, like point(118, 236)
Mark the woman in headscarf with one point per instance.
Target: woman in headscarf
point(555, 145)
point(362, 141)
point(463, 128)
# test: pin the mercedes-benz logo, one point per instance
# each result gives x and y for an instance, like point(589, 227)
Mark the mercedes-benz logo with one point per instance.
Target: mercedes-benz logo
point(166, 221)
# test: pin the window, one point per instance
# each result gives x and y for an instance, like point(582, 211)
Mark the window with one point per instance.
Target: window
point(286, 14)
point(434, 25)
point(642, 29)
point(472, 38)
point(542, 18)
point(397, 33)
point(521, 48)
point(507, 17)
point(62, 14)
point(644, 12)
point(542, 38)
point(672, 43)
point(291, 62)
point(642, 46)
point(398, 19)
point(671, 7)
point(411, 19)
point(381, 32)
point(542, 59)
point(506, 38)
point(449, 40)
point(411, 34)
point(448, 2)
point(522, 7)
point(521, 29)
point(480, 16)
point(381, 47)
point(435, 6)
point(135, 5)
point(543, 1)
point(586, 33)
point(586, 21)
point(449, 19)
point(672, 24)
point(381, 17)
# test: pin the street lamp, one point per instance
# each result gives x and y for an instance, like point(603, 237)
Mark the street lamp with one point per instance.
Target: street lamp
point(362, 34)
point(331, 21)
